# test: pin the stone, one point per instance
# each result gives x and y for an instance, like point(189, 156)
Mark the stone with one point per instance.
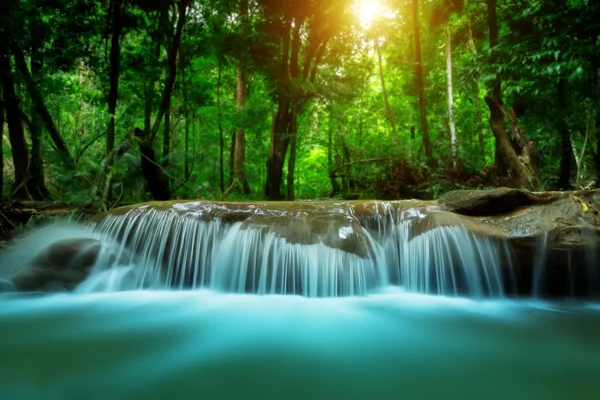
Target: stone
point(492, 202)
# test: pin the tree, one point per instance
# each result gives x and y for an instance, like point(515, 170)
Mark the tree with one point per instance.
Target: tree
point(516, 157)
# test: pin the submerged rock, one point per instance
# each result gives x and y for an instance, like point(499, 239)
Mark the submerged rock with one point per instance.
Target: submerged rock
point(59, 267)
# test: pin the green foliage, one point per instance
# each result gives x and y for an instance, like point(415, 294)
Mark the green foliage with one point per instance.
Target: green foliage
point(343, 123)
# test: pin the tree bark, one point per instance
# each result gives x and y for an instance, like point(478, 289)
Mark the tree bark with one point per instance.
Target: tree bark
point(155, 182)
point(451, 120)
point(36, 168)
point(479, 123)
point(115, 60)
point(386, 100)
point(420, 85)
point(166, 149)
point(166, 26)
point(221, 134)
point(240, 179)
point(566, 150)
point(522, 166)
point(16, 136)
point(41, 109)
point(186, 116)
point(281, 123)
point(292, 157)
point(172, 68)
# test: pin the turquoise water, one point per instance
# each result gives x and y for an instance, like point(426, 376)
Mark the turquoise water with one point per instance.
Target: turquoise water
point(206, 345)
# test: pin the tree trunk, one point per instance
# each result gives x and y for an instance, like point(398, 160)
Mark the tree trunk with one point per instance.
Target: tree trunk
point(239, 155)
point(388, 107)
point(421, 85)
point(41, 109)
point(186, 116)
point(172, 68)
point(16, 136)
point(292, 157)
point(566, 150)
point(167, 31)
point(278, 149)
point(479, 123)
point(451, 120)
point(115, 60)
point(36, 168)
point(335, 188)
point(166, 148)
point(221, 134)
point(151, 170)
point(521, 167)
point(281, 124)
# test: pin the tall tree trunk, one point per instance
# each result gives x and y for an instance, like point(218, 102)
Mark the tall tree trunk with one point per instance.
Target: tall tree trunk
point(479, 123)
point(281, 123)
point(115, 60)
point(421, 85)
point(522, 167)
point(173, 51)
point(166, 27)
point(388, 107)
point(113, 90)
point(152, 172)
point(292, 157)
point(451, 120)
point(155, 181)
point(294, 69)
point(278, 149)
point(566, 150)
point(478, 116)
point(16, 136)
point(41, 109)
point(239, 157)
point(335, 189)
point(221, 134)
point(36, 168)
point(166, 148)
point(186, 116)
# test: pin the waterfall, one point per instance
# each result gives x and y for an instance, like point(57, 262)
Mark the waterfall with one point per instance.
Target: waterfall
point(319, 250)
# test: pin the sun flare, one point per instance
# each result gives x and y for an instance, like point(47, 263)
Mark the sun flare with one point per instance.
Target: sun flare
point(367, 11)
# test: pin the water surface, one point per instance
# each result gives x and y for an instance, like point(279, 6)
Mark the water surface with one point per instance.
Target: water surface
point(207, 345)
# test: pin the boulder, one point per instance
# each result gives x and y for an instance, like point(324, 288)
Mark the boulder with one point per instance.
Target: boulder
point(492, 202)
point(60, 266)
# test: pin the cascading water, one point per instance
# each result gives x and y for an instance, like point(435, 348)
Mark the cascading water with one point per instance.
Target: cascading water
point(330, 251)
point(315, 300)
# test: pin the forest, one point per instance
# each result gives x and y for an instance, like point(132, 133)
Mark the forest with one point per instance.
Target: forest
point(108, 102)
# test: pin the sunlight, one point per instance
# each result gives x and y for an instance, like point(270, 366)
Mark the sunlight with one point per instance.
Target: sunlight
point(367, 11)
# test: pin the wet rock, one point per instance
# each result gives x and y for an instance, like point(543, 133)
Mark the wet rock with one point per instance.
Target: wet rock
point(59, 267)
point(492, 202)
